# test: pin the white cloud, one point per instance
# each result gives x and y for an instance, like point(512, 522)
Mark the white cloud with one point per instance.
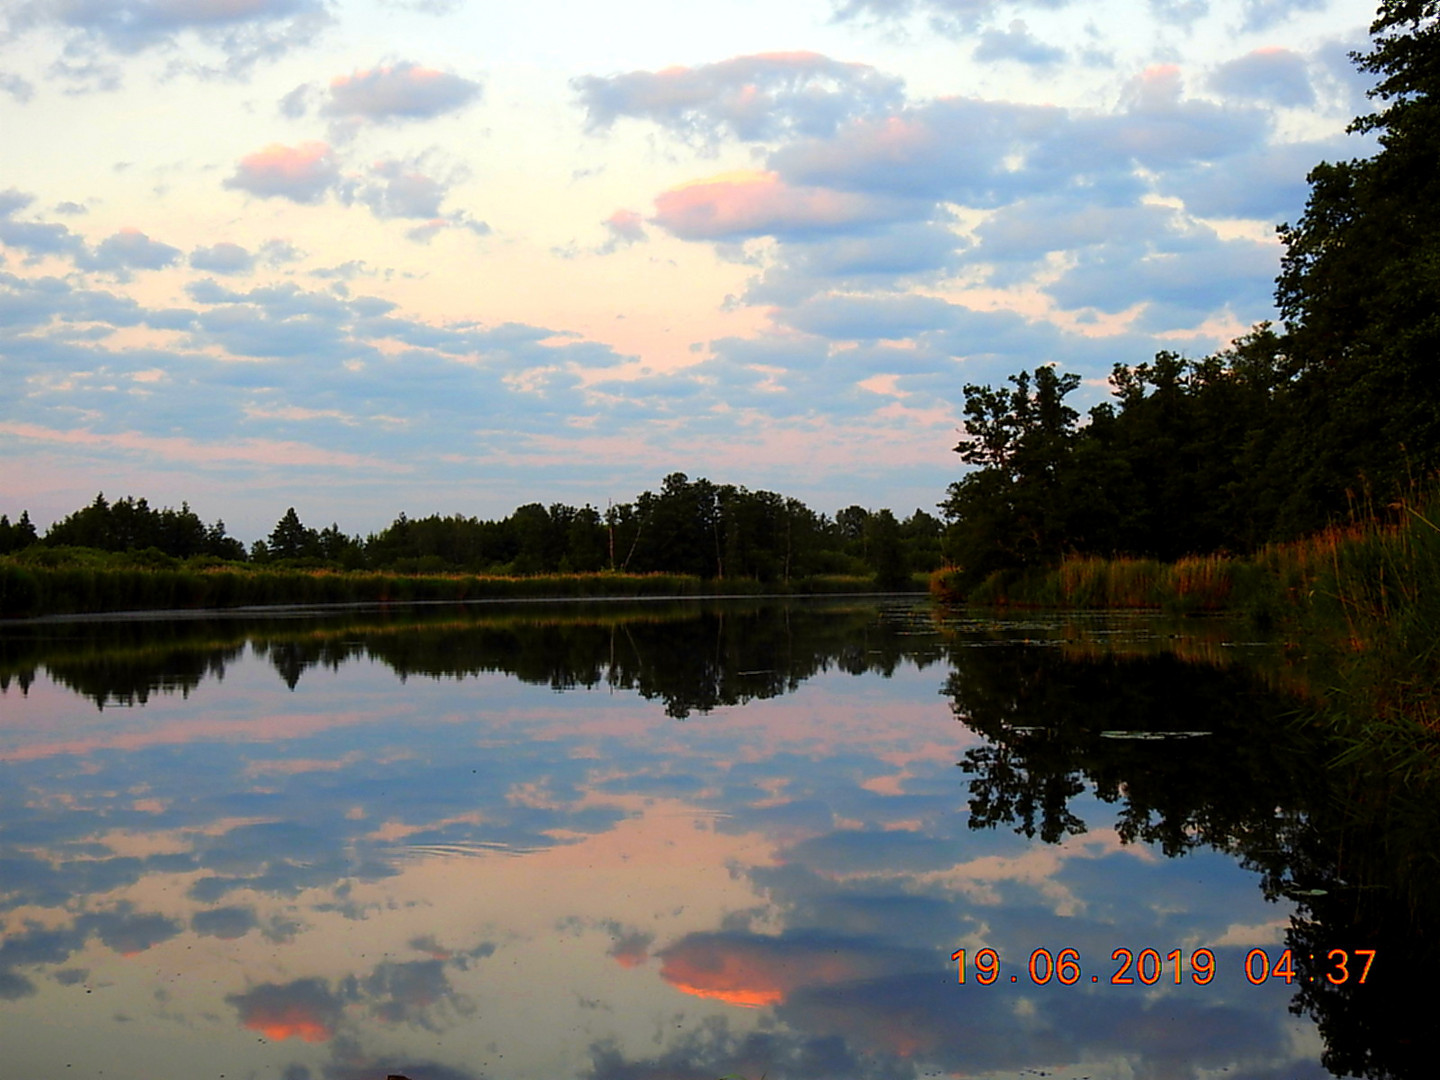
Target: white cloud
point(21, 90)
point(753, 98)
point(1018, 44)
point(242, 31)
point(223, 258)
point(131, 249)
point(1275, 75)
point(398, 92)
point(952, 17)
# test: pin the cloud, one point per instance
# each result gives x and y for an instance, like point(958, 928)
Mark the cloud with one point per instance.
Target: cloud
point(13, 987)
point(1346, 83)
point(391, 189)
point(1159, 127)
point(738, 206)
point(1019, 45)
point(752, 970)
point(1185, 276)
point(130, 249)
point(855, 318)
point(277, 252)
point(126, 932)
point(403, 91)
point(226, 923)
point(950, 17)
point(408, 992)
point(123, 251)
point(984, 154)
point(625, 227)
point(906, 251)
point(1180, 12)
point(1029, 230)
point(968, 151)
point(36, 238)
point(425, 7)
point(398, 190)
point(1262, 14)
point(302, 173)
point(754, 98)
point(245, 31)
point(223, 258)
point(297, 102)
point(19, 89)
point(13, 199)
point(1275, 75)
point(630, 948)
point(305, 1009)
point(244, 451)
point(1268, 184)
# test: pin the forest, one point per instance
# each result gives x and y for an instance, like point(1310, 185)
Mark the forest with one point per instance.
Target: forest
point(689, 527)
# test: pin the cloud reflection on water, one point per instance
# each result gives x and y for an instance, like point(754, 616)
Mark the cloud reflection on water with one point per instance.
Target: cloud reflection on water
point(353, 867)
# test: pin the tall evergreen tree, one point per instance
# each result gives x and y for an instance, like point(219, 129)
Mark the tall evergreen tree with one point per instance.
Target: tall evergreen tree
point(292, 540)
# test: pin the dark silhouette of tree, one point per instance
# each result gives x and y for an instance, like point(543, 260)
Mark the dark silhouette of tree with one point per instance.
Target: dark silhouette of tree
point(18, 536)
point(1359, 287)
point(130, 524)
point(887, 557)
point(292, 540)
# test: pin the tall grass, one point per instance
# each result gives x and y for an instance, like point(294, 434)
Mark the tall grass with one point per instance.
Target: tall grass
point(76, 581)
point(1197, 583)
point(1362, 574)
point(1359, 603)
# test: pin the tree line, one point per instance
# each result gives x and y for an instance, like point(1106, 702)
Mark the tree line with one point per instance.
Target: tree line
point(687, 527)
point(1333, 413)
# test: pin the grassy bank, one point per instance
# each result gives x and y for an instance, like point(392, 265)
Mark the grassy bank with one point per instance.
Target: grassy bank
point(78, 582)
point(1372, 571)
point(1362, 602)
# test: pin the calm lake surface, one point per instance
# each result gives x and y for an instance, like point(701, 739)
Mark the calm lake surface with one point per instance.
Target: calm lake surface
point(674, 840)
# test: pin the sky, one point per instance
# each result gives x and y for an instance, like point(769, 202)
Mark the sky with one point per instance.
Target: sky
point(441, 256)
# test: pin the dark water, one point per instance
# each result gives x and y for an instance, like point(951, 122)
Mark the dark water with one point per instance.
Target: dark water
point(684, 841)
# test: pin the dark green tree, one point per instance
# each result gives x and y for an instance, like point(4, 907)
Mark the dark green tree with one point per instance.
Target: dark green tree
point(1359, 288)
point(1011, 512)
point(292, 540)
point(16, 537)
point(887, 554)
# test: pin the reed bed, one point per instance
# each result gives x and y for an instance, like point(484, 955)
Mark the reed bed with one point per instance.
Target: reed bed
point(1197, 583)
point(1358, 573)
point(1358, 603)
point(83, 583)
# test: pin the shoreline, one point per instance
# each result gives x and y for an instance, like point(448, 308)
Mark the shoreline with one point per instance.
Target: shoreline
point(29, 591)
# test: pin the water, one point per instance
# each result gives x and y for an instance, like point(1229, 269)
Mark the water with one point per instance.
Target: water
point(678, 840)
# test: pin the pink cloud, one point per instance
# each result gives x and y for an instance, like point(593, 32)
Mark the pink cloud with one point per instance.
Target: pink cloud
point(301, 173)
point(752, 971)
point(175, 448)
point(739, 205)
point(625, 227)
point(304, 1009)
